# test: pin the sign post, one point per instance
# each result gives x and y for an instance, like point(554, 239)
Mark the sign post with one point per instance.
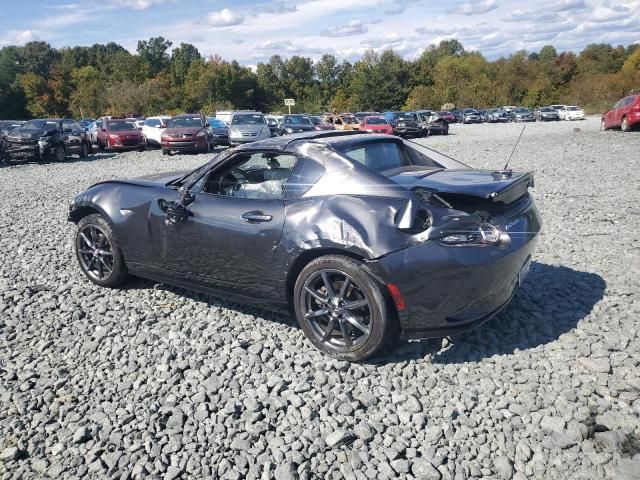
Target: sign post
point(289, 102)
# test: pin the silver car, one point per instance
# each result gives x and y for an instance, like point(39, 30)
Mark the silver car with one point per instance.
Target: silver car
point(246, 127)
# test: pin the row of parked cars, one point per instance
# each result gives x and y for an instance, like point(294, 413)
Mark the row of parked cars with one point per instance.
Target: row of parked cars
point(517, 114)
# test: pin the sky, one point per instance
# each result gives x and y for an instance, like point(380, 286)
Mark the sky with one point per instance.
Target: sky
point(252, 31)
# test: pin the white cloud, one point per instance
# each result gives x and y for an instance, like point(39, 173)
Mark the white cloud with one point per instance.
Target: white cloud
point(354, 27)
point(474, 8)
point(137, 4)
point(224, 18)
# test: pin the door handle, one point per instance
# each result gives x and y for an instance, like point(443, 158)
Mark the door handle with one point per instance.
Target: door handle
point(256, 216)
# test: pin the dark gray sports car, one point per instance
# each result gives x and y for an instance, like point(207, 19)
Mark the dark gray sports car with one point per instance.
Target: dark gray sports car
point(365, 237)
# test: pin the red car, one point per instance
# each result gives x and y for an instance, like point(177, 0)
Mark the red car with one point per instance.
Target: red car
point(120, 135)
point(447, 116)
point(625, 114)
point(187, 133)
point(376, 124)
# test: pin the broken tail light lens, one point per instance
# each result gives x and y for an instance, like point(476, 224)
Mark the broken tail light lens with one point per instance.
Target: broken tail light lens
point(483, 234)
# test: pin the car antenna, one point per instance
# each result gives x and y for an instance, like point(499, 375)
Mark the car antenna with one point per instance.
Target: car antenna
point(514, 148)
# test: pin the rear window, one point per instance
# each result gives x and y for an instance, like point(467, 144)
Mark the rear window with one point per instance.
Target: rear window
point(384, 155)
point(375, 121)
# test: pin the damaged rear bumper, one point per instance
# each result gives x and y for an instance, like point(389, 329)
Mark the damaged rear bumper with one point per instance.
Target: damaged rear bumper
point(450, 290)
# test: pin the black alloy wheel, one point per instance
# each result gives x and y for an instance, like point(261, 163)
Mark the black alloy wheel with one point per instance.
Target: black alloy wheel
point(342, 310)
point(98, 253)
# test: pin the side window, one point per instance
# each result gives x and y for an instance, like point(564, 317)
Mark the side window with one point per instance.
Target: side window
point(262, 175)
point(338, 121)
point(304, 175)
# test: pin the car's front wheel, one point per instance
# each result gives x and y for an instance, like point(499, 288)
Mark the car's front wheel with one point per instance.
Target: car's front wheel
point(624, 126)
point(603, 126)
point(98, 253)
point(342, 310)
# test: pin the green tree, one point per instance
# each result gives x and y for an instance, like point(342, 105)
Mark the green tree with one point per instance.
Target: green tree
point(154, 52)
point(181, 59)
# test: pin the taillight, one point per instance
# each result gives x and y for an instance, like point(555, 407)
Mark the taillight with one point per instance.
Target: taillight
point(396, 296)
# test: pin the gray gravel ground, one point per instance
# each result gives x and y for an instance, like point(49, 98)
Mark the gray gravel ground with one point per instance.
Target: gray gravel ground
point(158, 382)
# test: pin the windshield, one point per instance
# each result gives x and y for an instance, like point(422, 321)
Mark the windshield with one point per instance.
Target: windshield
point(573, 109)
point(118, 126)
point(185, 122)
point(522, 110)
point(215, 123)
point(546, 109)
point(298, 120)
point(375, 121)
point(317, 121)
point(256, 119)
point(41, 125)
point(469, 110)
point(406, 116)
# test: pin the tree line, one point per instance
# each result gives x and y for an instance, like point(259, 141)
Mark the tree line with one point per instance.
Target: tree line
point(37, 80)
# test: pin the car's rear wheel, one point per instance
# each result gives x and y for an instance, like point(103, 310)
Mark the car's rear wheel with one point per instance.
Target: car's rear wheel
point(342, 310)
point(98, 253)
point(624, 126)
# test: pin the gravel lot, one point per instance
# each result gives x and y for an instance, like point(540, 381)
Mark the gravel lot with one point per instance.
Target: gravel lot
point(154, 381)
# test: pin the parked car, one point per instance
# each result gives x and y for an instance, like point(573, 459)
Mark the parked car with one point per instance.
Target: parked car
point(345, 122)
point(572, 112)
point(392, 118)
point(498, 115)
point(246, 127)
point(509, 108)
point(188, 132)
point(447, 116)
point(85, 122)
point(153, 128)
point(47, 139)
point(7, 125)
point(319, 124)
point(483, 115)
point(295, 124)
point(120, 134)
point(360, 116)
point(625, 114)
point(436, 248)
point(92, 133)
point(219, 132)
point(521, 114)
point(546, 114)
point(458, 116)
point(470, 115)
point(376, 124)
point(273, 124)
point(408, 125)
point(431, 123)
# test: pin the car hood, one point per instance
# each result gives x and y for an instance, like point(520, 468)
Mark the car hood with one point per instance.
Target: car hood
point(299, 127)
point(485, 184)
point(182, 131)
point(30, 133)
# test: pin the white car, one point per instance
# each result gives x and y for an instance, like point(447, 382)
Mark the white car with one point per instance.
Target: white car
point(152, 129)
point(571, 112)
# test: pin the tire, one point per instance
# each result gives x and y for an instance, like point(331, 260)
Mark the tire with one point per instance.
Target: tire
point(59, 154)
point(345, 341)
point(165, 152)
point(95, 266)
point(446, 131)
point(624, 125)
point(603, 126)
point(83, 150)
point(100, 146)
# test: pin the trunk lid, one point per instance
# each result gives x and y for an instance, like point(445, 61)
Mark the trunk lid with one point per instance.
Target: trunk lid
point(465, 184)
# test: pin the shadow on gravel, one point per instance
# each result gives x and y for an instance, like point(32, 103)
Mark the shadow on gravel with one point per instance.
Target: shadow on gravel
point(552, 301)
